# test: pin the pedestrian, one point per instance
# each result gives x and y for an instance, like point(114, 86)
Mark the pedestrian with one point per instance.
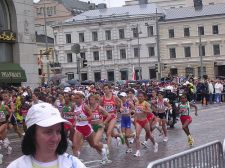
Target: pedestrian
point(45, 143)
point(184, 110)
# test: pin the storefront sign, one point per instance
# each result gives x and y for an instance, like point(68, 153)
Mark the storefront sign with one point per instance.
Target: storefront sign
point(10, 75)
point(7, 37)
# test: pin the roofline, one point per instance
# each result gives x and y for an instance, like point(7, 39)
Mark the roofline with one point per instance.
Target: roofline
point(108, 19)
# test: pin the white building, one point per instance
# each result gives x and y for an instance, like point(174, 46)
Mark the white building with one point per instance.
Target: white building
point(17, 41)
point(179, 40)
point(109, 42)
point(166, 4)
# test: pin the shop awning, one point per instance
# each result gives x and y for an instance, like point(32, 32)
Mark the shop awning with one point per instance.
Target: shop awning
point(12, 73)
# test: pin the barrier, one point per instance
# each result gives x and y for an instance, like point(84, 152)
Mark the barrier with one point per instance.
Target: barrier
point(206, 156)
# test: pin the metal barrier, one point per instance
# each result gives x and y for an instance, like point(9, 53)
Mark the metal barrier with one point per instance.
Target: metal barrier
point(206, 156)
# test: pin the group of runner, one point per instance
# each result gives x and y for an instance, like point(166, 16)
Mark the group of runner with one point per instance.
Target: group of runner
point(95, 114)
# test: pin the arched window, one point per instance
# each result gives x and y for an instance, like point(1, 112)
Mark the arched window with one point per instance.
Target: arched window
point(6, 51)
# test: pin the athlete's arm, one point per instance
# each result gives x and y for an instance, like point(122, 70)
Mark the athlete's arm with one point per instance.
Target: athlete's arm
point(90, 115)
point(104, 112)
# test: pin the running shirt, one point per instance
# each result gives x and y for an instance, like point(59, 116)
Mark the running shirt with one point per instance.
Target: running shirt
point(184, 109)
point(140, 107)
point(82, 114)
point(126, 108)
point(65, 109)
point(160, 105)
point(109, 105)
point(96, 115)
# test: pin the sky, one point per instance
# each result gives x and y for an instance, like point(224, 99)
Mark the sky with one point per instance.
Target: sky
point(110, 3)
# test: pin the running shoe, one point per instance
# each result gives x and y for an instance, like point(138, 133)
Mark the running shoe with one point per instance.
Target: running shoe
point(129, 150)
point(1, 158)
point(107, 149)
point(165, 139)
point(104, 154)
point(190, 141)
point(137, 154)
point(131, 141)
point(9, 150)
point(156, 147)
point(107, 161)
point(119, 142)
point(145, 144)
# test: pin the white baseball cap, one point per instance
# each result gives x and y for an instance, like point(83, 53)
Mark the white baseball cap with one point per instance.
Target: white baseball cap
point(44, 115)
point(123, 94)
point(67, 89)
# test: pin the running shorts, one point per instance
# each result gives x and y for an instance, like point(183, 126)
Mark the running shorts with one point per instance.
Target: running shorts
point(67, 127)
point(142, 123)
point(95, 127)
point(150, 116)
point(183, 119)
point(13, 120)
point(125, 122)
point(85, 130)
point(161, 115)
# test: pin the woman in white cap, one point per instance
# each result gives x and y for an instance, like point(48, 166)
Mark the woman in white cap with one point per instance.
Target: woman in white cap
point(45, 143)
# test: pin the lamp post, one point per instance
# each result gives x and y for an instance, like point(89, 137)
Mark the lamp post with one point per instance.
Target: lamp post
point(136, 30)
point(200, 54)
point(46, 43)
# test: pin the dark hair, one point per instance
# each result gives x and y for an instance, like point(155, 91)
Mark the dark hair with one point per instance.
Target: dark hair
point(108, 85)
point(130, 90)
point(28, 142)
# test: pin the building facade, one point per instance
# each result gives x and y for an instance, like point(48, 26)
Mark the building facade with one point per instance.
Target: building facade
point(17, 42)
point(113, 41)
point(180, 35)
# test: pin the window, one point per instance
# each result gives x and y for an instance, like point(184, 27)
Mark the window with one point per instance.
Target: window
point(203, 51)
point(216, 49)
point(96, 55)
point(69, 57)
point(55, 10)
point(122, 54)
point(110, 75)
point(136, 52)
point(171, 33)
point(152, 73)
point(150, 31)
point(199, 71)
point(97, 76)
point(151, 51)
point(68, 38)
point(201, 30)
point(95, 36)
point(215, 29)
point(187, 51)
point(83, 55)
point(138, 74)
point(109, 54)
point(189, 71)
point(135, 32)
point(81, 37)
point(121, 34)
point(83, 76)
point(70, 76)
point(172, 53)
point(186, 32)
point(124, 74)
point(108, 34)
point(173, 71)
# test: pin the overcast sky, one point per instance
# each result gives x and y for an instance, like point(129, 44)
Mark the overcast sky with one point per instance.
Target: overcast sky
point(110, 3)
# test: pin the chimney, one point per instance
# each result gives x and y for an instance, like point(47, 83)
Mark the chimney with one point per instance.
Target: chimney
point(141, 2)
point(198, 4)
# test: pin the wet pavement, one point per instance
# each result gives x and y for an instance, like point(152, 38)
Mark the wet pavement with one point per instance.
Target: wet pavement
point(207, 127)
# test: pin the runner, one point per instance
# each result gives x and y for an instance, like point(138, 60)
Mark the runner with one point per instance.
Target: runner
point(184, 110)
point(161, 105)
point(142, 108)
point(111, 102)
point(84, 130)
point(128, 107)
point(97, 122)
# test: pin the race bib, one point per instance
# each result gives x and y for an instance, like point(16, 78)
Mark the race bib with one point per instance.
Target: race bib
point(2, 116)
point(96, 117)
point(109, 108)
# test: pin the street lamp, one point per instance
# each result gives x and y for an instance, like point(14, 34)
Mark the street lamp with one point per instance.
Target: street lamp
point(46, 43)
point(137, 32)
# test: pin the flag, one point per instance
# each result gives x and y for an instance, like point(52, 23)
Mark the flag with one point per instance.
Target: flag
point(133, 74)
